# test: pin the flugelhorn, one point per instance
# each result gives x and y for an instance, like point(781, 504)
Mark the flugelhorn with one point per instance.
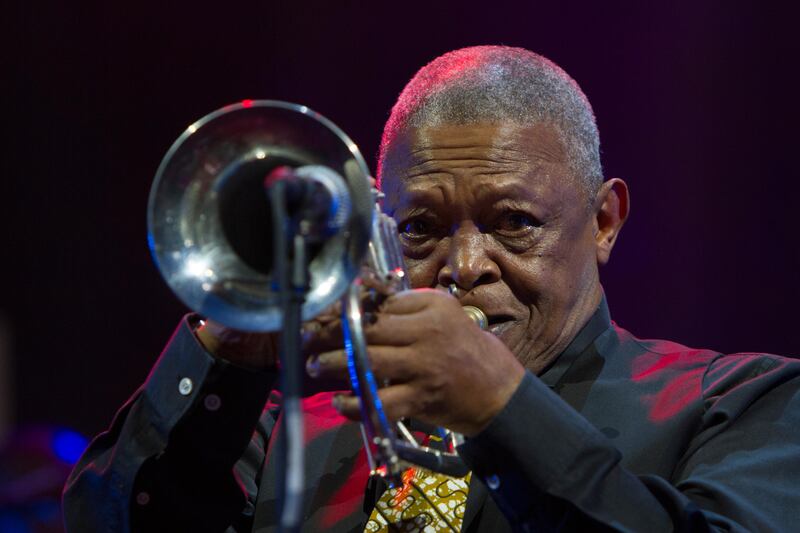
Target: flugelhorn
point(211, 232)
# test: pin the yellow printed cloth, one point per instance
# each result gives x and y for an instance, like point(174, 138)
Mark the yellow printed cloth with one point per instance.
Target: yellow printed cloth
point(426, 502)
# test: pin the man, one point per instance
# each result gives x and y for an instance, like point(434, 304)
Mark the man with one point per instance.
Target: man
point(490, 165)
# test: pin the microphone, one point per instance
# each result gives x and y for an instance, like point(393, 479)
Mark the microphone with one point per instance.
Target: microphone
point(314, 194)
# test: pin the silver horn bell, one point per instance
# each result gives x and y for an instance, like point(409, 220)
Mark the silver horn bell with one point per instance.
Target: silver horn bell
point(209, 223)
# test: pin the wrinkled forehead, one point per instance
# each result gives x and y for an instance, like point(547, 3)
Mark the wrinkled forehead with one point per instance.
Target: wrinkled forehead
point(492, 160)
point(448, 141)
point(497, 152)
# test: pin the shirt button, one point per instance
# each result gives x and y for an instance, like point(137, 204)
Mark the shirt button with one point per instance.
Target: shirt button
point(493, 482)
point(185, 386)
point(212, 402)
point(142, 498)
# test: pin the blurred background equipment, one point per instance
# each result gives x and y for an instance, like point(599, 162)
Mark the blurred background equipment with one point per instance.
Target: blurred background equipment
point(35, 460)
point(34, 464)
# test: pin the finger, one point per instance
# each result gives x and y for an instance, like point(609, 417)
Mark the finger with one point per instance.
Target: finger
point(373, 292)
point(392, 330)
point(405, 329)
point(332, 312)
point(371, 282)
point(328, 365)
point(398, 402)
point(388, 364)
point(412, 301)
point(322, 336)
point(258, 350)
point(348, 406)
point(402, 401)
point(392, 365)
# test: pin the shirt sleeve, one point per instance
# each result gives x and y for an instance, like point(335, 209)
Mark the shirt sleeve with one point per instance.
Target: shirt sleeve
point(743, 465)
point(547, 468)
point(545, 465)
point(192, 437)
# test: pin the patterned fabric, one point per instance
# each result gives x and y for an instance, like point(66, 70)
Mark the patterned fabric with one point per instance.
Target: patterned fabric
point(427, 502)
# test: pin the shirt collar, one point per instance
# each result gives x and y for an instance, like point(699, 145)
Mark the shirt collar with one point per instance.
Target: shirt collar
point(597, 324)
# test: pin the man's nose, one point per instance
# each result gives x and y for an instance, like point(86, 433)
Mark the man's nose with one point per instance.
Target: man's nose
point(468, 261)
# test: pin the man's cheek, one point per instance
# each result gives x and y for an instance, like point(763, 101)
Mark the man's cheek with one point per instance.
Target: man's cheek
point(420, 273)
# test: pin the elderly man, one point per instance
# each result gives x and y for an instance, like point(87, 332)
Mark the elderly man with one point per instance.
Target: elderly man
point(490, 165)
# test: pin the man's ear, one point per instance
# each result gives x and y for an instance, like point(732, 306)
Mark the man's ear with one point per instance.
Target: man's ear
point(611, 206)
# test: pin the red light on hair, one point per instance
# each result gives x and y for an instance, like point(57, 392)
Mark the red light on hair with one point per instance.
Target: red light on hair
point(247, 103)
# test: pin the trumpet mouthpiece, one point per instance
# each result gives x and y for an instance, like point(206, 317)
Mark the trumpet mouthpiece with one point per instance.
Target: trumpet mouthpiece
point(477, 316)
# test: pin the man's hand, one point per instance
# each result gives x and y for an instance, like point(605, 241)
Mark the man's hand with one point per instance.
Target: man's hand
point(255, 351)
point(260, 351)
point(441, 368)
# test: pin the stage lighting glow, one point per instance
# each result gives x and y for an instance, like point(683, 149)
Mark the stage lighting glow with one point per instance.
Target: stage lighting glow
point(197, 267)
point(68, 445)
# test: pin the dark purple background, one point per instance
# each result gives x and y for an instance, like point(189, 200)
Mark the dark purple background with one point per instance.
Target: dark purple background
point(696, 105)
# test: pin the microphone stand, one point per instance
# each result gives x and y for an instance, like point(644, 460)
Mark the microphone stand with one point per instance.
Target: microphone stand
point(292, 279)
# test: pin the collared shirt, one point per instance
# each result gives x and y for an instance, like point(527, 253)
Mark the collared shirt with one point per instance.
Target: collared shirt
point(618, 433)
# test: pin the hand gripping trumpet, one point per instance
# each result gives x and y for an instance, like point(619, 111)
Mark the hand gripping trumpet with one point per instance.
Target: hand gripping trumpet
point(391, 449)
point(260, 217)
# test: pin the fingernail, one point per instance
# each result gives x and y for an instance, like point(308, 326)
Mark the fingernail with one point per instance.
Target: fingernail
point(336, 402)
point(312, 367)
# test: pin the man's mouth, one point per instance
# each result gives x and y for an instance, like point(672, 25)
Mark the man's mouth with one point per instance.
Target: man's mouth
point(499, 323)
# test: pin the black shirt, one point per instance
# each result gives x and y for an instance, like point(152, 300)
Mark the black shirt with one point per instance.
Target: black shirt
point(619, 433)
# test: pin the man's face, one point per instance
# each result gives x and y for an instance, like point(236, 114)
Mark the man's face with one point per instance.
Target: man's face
point(496, 210)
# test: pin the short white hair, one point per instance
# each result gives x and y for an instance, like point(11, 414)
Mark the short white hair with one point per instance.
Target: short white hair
point(498, 84)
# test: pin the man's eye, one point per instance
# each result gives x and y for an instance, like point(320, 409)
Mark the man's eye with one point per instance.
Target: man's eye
point(516, 223)
point(414, 228)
